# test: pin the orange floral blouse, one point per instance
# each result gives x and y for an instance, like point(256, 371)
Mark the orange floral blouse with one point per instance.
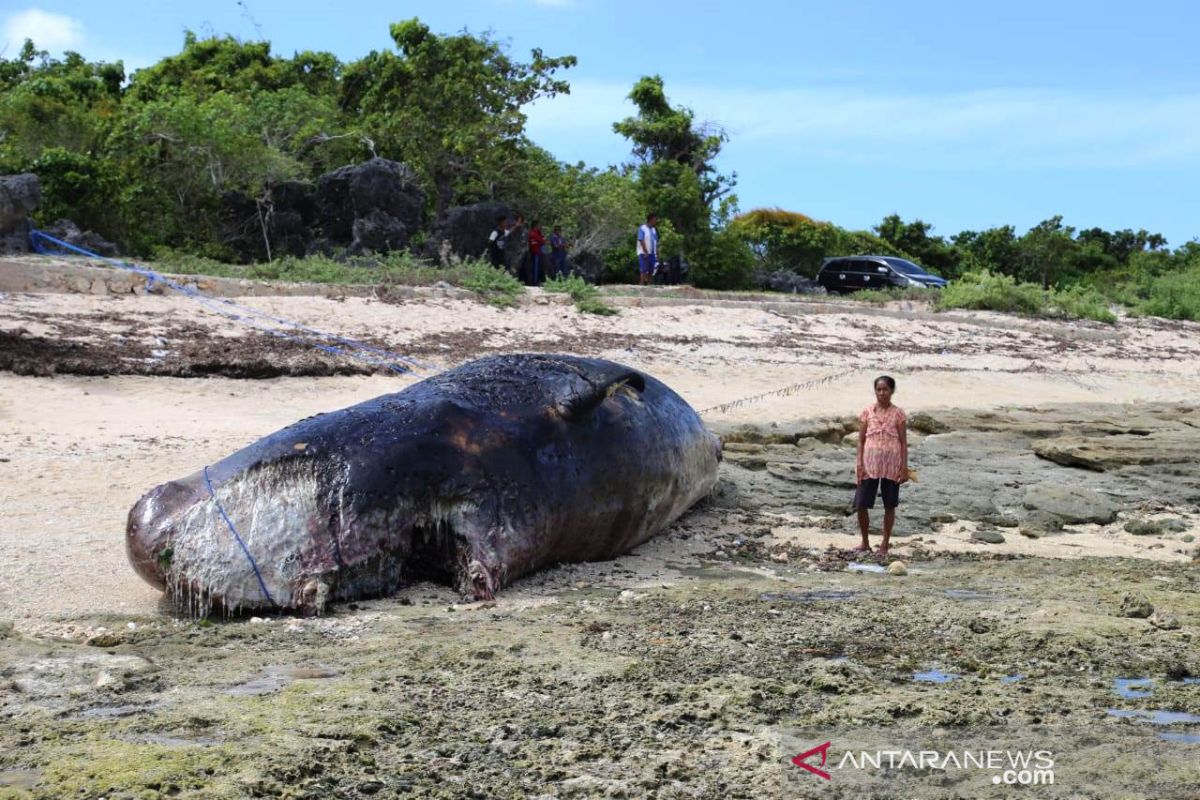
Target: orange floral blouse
point(883, 456)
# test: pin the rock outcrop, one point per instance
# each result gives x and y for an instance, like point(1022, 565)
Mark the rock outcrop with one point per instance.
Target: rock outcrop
point(375, 206)
point(463, 231)
point(19, 196)
point(783, 281)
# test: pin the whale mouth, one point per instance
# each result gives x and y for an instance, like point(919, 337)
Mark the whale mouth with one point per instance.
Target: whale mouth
point(441, 554)
point(436, 548)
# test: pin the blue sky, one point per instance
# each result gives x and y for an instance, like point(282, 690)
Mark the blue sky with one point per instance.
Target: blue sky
point(967, 115)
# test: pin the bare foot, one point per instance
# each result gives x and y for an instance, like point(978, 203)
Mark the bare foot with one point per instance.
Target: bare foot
point(863, 548)
point(883, 550)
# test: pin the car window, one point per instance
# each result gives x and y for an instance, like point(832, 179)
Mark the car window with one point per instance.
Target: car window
point(905, 267)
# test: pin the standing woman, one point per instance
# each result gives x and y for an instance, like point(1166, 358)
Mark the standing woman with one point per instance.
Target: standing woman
point(882, 461)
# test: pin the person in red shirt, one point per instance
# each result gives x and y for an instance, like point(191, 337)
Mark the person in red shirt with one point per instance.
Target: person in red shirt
point(882, 461)
point(537, 241)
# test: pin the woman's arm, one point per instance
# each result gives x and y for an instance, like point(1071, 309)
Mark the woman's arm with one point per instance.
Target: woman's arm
point(859, 469)
point(903, 429)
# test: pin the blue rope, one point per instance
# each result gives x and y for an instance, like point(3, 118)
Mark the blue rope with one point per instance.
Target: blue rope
point(230, 309)
point(261, 584)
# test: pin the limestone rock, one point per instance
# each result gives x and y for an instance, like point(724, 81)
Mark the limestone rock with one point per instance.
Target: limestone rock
point(69, 232)
point(463, 231)
point(1073, 504)
point(377, 232)
point(1105, 453)
point(989, 535)
point(898, 568)
point(1136, 606)
point(1041, 522)
point(19, 196)
point(782, 280)
point(1164, 621)
point(836, 677)
point(288, 213)
point(926, 423)
point(378, 191)
point(1145, 527)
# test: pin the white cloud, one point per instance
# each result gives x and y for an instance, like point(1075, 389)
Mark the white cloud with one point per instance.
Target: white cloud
point(1017, 128)
point(53, 32)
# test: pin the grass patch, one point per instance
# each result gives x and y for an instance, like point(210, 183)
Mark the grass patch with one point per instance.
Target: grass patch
point(894, 293)
point(987, 292)
point(495, 285)
point(396, 269)
point(586, 296)
point(393, 269)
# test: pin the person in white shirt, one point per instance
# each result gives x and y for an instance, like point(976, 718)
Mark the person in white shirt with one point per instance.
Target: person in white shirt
point(647, 249)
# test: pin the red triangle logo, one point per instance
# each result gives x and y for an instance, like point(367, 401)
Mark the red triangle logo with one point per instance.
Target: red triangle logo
point(823, 749)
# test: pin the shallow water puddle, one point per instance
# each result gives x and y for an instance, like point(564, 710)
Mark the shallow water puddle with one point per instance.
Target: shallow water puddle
point(854, 566)
point(275, 678)
point(1157, 717)
point(935, 676)
point(1012, 678)
point(1184, 738)
point(1133, 687)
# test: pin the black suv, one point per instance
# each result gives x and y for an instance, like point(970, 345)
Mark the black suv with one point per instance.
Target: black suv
point(849, 273)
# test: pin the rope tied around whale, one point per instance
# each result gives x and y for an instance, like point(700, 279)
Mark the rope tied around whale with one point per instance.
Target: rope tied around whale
point(45, 244)
point(262, 585)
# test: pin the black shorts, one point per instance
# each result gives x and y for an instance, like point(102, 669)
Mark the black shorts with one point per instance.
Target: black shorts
point(864, 495)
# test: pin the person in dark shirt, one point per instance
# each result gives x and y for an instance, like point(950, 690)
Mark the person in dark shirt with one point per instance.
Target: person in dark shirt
point(496, 241)
point(537, 241)
point(558, 253)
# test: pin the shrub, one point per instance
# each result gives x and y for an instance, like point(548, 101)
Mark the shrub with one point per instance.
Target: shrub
point(721, 261)
point(586, 297)
point(495, 285)
point(1081, 302)
point(985, 291)
point(912, 293)
point(1174, 296)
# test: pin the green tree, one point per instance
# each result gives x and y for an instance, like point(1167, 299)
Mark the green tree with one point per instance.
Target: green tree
point(914, 238)
point(597, 209)
point(224, 64)
point(450, 106)
point(1048, 251)
point(996, 250)
point(676, 173)
point(797, 243)
point(50, 103)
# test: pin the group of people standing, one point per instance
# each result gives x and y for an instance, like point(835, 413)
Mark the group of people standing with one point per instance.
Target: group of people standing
point(533, 267)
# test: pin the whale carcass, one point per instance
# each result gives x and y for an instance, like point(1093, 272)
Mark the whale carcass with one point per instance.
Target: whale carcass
point(472, 477)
